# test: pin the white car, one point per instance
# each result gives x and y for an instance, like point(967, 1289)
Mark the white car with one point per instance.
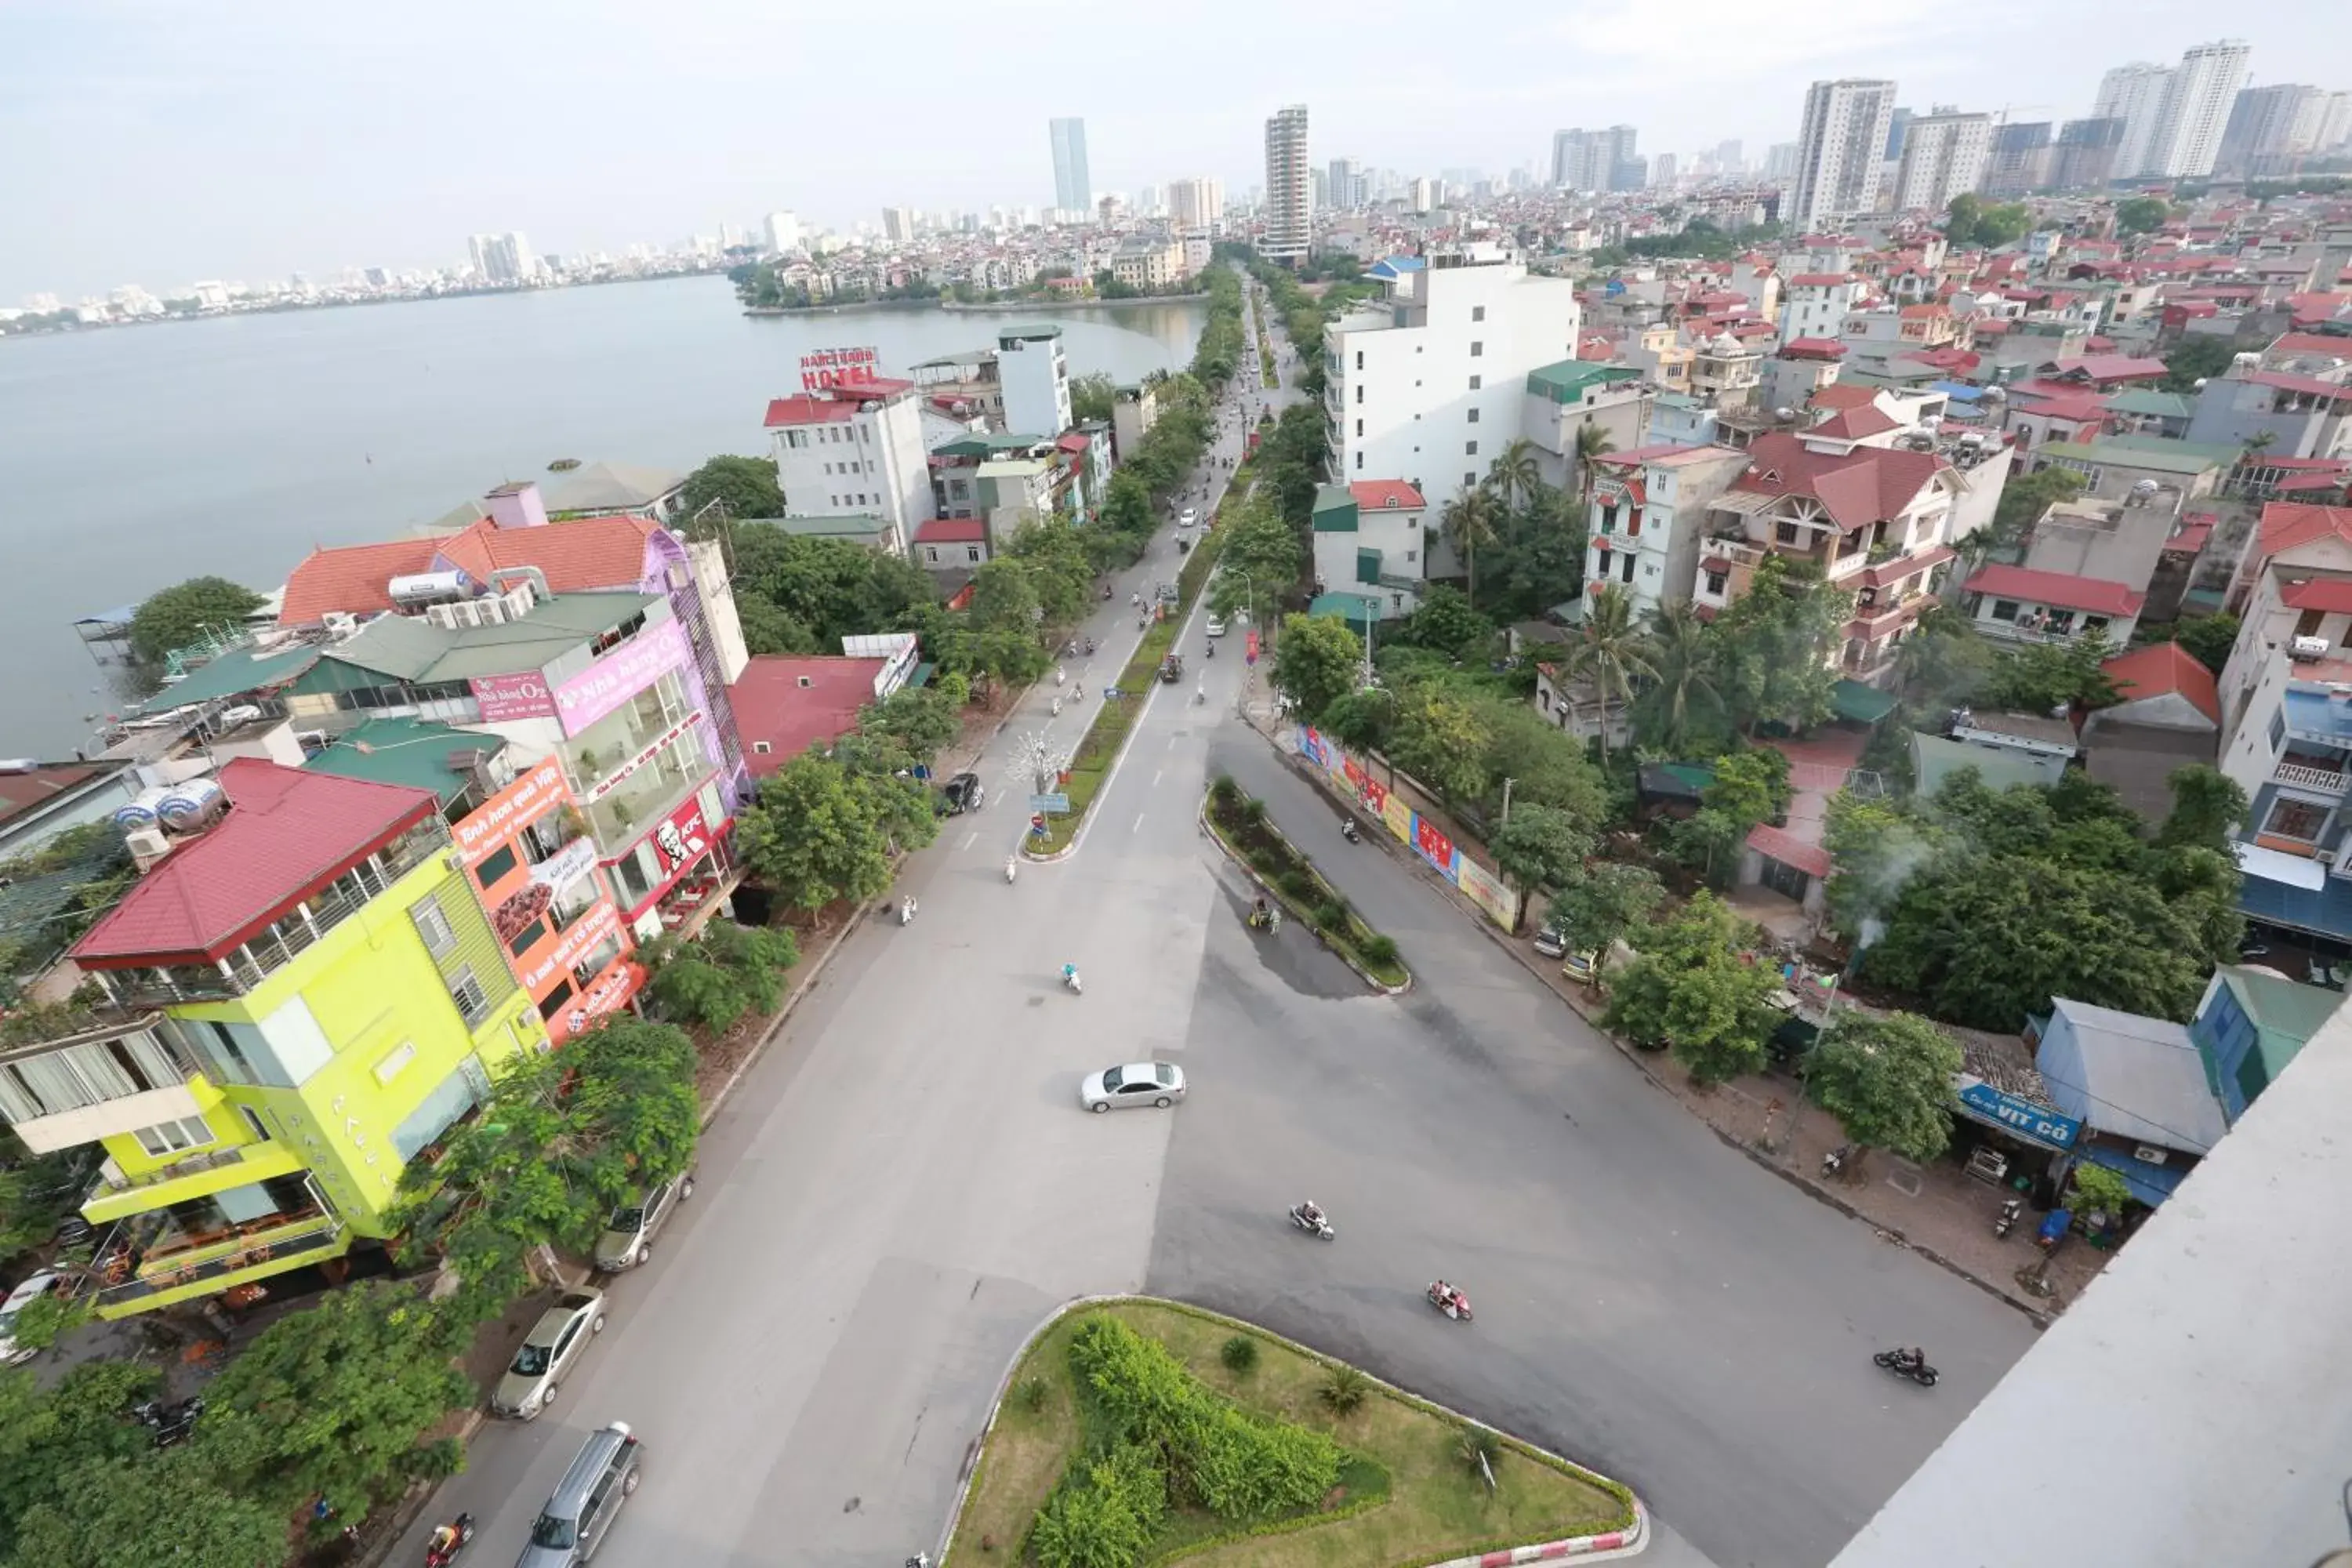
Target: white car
point(1159, 1084)
point(548, 1352)
point(23, 1296)
point(1216, 627)
point(1187, 517)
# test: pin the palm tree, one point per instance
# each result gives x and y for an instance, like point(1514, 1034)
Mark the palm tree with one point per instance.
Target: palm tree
point(1514, 474)
point(1592, 441)
point(1469, 523)
point(1682, 661)
point(1607, 652)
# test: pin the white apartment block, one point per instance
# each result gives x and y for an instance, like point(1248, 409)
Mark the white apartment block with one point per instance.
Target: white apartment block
point(1290, 191)
point(1815, 304)
point(1197, 202)
point(1649, 514)
point(2196, 110)
point(1035, 377)
point(1839, 150)
point(857, 449)
point(1943, 155)
point(2134, 95)
point(1428, 384)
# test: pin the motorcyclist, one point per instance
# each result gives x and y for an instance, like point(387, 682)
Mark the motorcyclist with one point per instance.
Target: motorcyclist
point(1910, 1360)
point(1258, 914)
point(906, 909)
point(1310, 1213)
point(1212, 649)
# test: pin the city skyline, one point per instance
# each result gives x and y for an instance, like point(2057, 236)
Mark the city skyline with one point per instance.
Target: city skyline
point(176, 149)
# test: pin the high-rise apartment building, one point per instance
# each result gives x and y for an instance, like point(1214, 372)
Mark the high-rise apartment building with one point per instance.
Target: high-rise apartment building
point(2020, 159)
point(502, 257)
point(1781, 161)
point(1730, 158)
point(1597, 160)
point(1839, 150)
point(1290, 194)
point(1073, 191)
point(2133, 94)
point(2196, 108)
point(1345, 184)
point(783, 232)
point(897, 224)
point(2084, 158)
point(1663, 171)
point(1196, 203)
point(2269, 127)
point(1944, 153)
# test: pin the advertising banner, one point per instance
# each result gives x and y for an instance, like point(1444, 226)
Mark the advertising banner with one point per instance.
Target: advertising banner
point(2020, 1119)
point(620, 675)
point(1435, 846)
point(574, 943)
point(567, 865)
point(607, 992)
point(1486, 890)
point(680, 840)
point(508, 812)
point(509, 697)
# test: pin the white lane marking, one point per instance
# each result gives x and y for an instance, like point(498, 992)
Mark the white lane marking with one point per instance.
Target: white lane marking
point(1138, 824)
point(969, 839)
point(1158, 776)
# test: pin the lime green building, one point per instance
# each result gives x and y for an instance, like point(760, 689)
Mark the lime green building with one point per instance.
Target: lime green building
point(300, 1001)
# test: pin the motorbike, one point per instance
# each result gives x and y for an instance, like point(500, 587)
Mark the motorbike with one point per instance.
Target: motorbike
point(442, 1552)
point(1347, 830)
point(1011, 864)
point(1090, 647)
point(1070, 978)
point(1107, 591)
point(1834, 1161)
point(174, 1420)
point(1056, 706)
point(1211, 652)
point(1449, 1300)
point(1904, 1364)
point(1320, 1226)
point(1201, 692)
point(906, 912)
point(1269, 917)
point(1070, 648)
point(2007, 1221)
point(1061, 676)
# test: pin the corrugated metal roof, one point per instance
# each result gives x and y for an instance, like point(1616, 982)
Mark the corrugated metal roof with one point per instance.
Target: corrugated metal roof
point(2142, 1077)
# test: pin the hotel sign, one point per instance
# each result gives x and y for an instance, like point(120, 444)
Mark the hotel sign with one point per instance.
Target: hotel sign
point(838, 367)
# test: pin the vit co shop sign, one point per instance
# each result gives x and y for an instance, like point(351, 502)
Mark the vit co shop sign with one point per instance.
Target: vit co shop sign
point(619, 676)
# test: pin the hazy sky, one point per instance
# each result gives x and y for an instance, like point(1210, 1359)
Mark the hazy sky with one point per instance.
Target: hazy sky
point(163, 143)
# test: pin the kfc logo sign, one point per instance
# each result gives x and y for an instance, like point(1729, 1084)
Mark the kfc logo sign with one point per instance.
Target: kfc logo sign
point(678, 840)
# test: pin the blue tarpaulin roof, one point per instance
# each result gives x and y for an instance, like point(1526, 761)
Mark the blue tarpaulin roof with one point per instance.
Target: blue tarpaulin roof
point(2324, 912)
point(1958, 391)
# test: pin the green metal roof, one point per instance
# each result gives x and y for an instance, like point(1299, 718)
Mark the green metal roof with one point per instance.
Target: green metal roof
point(1358, 611)
point(2147, 400)
point(1571, 379)
point(837, 525)
point(2282, 1007)
point(1862, 704)
point(1935, 758)
point(2112, 454)
point(240, 669)
point(412, 649)
point(2221, 452)
point(416, 752)
point(1334, 511)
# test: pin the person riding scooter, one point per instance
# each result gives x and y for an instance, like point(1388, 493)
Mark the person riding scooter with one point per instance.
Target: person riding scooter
point(1309, 1212)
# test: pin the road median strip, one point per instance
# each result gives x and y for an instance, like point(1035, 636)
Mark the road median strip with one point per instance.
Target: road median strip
point(1239, 825)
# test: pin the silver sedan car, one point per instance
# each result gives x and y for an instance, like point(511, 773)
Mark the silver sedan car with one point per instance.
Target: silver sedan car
point(548, 1352)
point(1159, 1084)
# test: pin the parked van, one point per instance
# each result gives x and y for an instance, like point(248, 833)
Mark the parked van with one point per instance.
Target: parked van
point(580, 1514)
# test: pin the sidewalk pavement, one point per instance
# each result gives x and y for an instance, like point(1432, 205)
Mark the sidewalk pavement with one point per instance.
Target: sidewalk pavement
point(1935, 1210)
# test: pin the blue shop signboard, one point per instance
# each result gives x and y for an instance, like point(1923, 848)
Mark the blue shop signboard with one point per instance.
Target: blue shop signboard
point(1980, 1102)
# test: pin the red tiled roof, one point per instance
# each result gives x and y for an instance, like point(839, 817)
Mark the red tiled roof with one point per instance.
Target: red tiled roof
point(774, 711)
point(952, 531)
point(2189, 538)
point(2328, 595)
point(1814, 347)
point(1789, 849)
point(2063, 589)
point(1853, 423)
point(36, 787)
point(2165, 667)
point(288, 834)
point(1843, 394)
point(1386, 494)
point(802, 410)
point(2311, 482)
point(2113, 367)
point(1866, 485)
point(2287, 524)
point(576, 557)
point(2310, 385)
point(2311, 343)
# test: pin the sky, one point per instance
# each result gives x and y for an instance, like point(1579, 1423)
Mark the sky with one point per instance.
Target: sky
point(164, 141)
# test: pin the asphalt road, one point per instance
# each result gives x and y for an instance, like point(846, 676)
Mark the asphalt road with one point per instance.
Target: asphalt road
point(904, 1185)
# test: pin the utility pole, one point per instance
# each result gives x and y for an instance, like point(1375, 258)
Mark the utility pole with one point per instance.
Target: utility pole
point(1506, 801)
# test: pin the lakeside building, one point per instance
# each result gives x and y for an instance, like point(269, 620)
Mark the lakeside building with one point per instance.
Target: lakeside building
point(857, 448)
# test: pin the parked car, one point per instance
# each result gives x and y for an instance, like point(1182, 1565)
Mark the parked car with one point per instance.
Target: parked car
point(1550, 942)
point(628, 1238)
point(963, 792)
point(554, 1343)
point(1159, 1084)
point(22, 1297)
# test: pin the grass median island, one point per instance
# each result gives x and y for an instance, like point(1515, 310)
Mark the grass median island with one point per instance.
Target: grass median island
point(1239, 821)
point(1140, 1432)
point(1097, 750)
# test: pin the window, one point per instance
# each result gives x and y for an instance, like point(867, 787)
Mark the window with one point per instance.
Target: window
point(399, 1058)
point(1477, 350)
point(1473, 415)
point(555, 1000)
point(526, 938)
point(2004, 609)
point(1477, 312)
point(466, 991)
point(258, 1127)
point(495, 866)
point(971, 552)
point(2293, 818)
point(1786, 533)
point(440, 940)
point(1626, 575)
point(1359, 395)
point(1716, 582)
point(1469, 449)
point(1359, 462)
point(2278, 728)
point(1359, 359)
point(1412, 555)
point(760, 748)
point(1476, 382)
point(172, 1137)
point(1469, 481)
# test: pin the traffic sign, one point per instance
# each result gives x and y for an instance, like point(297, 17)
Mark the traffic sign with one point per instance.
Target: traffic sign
point(1054, 803)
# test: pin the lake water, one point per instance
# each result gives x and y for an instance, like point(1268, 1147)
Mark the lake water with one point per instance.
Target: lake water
point(146, 455)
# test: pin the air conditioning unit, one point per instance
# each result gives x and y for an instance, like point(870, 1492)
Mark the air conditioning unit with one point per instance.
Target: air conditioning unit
point(340, 623)
point(147, 844)
point(2307, 647)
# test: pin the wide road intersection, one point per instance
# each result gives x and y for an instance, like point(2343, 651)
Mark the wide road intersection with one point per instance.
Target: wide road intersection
point(904, 1185)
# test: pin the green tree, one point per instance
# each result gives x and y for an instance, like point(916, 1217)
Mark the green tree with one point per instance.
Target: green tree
point(47, 1435)
point(1469, 523)
point(730, 971)
point(1004, 598)
point(767, 629)
point(743, 487)
point(2042, 677)
point(563, 1141)
point(2142, 215)
point(2023, 499)
point(1875, 845)
point(1592, 441)
point(1545, 765)
point(1593, 911)
point(1888, 1080)
point(1681, 696)
point(1363, 721)
point(1091, 398)
point(813, 837)
point(1438, 739)
point(1750, 787)
point(1944, 663)
point(114, 1513)
point(2208, 640)
point(1694, 990)
point(1541, 846)
point(1445, 622)
point(1773, 645)
point(2207, 806)
point(1317, 660)
point(921, 718)
point(187, 612)
point(1259, 562)
point(1608, 653)
point(333, 1402)
point(1515, 475)
point(2199, 357)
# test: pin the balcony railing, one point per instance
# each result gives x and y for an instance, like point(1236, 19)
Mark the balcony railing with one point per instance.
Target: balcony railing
point(112, 1179)
point(2304, 777)
point(282, 1244)
point(1739, 553)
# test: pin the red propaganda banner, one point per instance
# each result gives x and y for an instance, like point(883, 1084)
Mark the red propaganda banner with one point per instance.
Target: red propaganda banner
point(1433, 844)
point(1252, 655)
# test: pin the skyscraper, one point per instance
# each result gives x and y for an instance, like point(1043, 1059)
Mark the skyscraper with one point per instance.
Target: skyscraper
point(783, 232)
point(2133, 94)
point(1944, 153)
point(1597, 160)
point(1344, 181)
point(2085, 159)
point(1289, 203)
point(502, 257)
point(1781, 161)
point(897, 224)
point(1839, 150)
point(2020, 159)
point(1196, 203)
point(1073, 191)
point(2196, 108)
point(2269, 127)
